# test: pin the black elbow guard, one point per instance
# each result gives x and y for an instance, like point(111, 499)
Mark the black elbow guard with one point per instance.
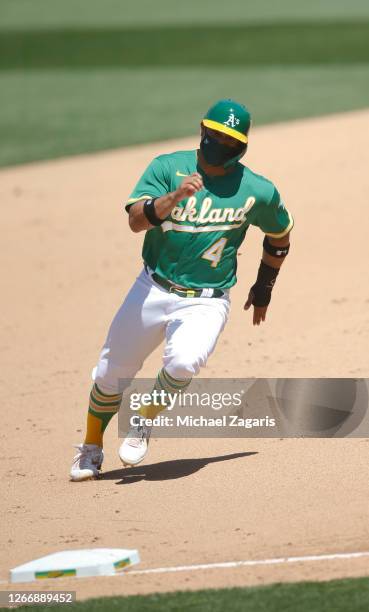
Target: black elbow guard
point(150, 212)
point(275, 251)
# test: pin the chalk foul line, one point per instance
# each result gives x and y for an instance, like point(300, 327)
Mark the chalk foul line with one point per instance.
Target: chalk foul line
point(251, 563)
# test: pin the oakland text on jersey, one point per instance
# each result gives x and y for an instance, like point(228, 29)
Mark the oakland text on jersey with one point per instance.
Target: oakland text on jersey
point(208, 213)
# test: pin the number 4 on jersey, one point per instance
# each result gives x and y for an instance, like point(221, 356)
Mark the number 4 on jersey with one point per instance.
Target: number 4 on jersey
point(214, 254)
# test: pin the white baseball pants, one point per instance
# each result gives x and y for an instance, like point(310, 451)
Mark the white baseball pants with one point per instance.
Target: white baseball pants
point(149, 315)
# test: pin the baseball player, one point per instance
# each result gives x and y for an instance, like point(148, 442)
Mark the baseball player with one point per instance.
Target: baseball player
point(195, 207)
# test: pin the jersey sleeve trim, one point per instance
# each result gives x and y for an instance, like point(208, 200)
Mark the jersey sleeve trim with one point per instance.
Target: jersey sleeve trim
point(134, 200)
point(285, 231)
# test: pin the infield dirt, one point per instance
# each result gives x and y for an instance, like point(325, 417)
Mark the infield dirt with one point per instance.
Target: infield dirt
point(68, 260)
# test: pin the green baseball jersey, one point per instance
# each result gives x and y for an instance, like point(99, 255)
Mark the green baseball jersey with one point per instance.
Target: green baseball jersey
point(197, 244)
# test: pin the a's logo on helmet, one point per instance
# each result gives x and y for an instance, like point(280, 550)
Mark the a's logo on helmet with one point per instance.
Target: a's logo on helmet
point(232, 120)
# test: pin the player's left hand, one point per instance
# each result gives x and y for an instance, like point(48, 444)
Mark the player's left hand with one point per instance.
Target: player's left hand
point(259, 311)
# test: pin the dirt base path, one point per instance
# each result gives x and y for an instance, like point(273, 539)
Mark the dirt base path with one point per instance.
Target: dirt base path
point(68, 259)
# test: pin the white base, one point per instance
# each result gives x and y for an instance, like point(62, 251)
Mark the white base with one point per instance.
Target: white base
point(79, 563)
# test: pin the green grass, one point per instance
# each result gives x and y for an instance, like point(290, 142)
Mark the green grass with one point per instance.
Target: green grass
point(102, 13)
point(306, 43)
point(351, 595)
point(46, 114)
point(81, 76)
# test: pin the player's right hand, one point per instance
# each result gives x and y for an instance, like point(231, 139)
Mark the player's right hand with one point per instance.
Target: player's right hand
point(190, 185)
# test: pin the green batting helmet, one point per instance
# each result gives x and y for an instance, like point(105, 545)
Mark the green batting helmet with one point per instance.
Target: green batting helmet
point(229, 117)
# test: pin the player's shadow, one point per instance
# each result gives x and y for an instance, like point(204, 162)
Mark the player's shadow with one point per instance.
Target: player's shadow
point(167, 470)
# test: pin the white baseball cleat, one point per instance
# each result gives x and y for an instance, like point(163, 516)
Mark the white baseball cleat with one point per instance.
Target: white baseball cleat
point(134, 448)
point(87, 462)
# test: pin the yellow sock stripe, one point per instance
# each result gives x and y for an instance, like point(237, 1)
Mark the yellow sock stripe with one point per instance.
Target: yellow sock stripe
point(102, 409)
point(180, 382)
point(161, 383)
point(106, 400)
point(169, 384)
point(103, 396)
point(104, 403)
point(169, 377)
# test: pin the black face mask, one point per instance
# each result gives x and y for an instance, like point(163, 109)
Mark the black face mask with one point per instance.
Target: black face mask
point(218, 154)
